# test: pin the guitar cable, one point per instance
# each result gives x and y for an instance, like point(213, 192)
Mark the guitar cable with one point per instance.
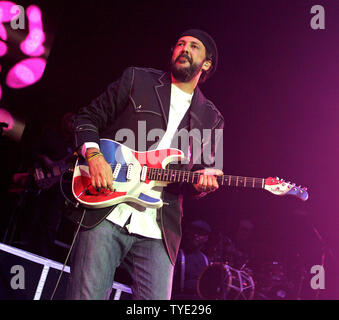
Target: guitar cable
point(76, 205)
point(68, 254)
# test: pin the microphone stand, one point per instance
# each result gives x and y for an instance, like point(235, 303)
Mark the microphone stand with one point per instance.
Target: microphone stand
point(324, 250)
point(324, 246)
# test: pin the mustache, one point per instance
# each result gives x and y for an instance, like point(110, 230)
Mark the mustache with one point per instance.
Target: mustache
point(184, 55)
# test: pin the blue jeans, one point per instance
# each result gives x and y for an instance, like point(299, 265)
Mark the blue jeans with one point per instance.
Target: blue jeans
point(99, 251)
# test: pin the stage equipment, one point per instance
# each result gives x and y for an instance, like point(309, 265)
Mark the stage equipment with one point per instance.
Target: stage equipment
point(220, 281)
point(26, 276)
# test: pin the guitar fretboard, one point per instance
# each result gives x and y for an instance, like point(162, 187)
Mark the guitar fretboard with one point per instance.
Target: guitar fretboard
point(171, 175)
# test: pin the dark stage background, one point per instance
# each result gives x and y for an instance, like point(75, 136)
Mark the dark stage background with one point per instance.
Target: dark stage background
point(276, 86)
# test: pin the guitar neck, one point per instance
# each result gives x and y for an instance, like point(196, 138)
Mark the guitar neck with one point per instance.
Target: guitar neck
point(171, 175)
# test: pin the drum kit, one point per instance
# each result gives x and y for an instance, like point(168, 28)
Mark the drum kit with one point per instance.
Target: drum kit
point(222, 280)
point(219, 281)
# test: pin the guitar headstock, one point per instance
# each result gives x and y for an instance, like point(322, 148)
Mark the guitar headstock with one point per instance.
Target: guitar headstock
point(280, 187)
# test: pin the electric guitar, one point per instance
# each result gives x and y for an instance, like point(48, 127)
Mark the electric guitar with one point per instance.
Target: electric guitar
point(47, 177)
point(137, 177)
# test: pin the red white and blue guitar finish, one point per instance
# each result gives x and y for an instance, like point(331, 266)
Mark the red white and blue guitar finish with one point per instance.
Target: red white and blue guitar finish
point(139, 176)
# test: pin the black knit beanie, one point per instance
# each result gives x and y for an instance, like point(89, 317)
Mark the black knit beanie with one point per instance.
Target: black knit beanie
point(209, 43)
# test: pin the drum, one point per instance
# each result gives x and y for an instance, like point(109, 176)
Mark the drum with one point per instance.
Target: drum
point(271, 273)
point(272, 281)
point(219, 281)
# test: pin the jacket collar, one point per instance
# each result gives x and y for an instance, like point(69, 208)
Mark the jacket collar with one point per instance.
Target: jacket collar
point(196, 111)
point(163, 92)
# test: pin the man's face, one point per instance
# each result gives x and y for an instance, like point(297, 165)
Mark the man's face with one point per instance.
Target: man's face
point(196, 238)
point(188, 59)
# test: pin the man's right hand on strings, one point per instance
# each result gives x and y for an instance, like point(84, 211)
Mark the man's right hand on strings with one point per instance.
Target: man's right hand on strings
point(100, 171)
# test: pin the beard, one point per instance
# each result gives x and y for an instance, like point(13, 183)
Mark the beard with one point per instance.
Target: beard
point(185, 74)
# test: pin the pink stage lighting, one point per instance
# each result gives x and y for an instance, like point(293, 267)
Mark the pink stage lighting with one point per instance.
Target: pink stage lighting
point(26, 72)
point(32, 45)
point(7, 118)
point(3, 32)
point(8, 11)
point(3, 48)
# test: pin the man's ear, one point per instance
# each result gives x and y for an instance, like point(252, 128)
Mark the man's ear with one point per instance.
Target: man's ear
point(207, 65)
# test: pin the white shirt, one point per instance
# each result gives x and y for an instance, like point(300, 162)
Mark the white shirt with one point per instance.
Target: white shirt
point(143, 220)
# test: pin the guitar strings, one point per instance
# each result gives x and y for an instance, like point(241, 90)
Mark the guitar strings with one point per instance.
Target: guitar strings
point(188, 175)
point(159, 170)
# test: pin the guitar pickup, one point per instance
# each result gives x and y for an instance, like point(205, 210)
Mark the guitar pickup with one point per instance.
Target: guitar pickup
point(143, 173)
point(129, 172)
point(116, 171)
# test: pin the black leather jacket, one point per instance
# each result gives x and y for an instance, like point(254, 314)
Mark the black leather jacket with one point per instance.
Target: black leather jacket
point(142, 96)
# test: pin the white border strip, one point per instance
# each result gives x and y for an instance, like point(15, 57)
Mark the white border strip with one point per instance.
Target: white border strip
point(121, 287)
point(52, 264)
point(41, 283)
point(33, 257)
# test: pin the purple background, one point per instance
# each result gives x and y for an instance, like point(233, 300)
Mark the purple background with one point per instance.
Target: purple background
point(276, 85)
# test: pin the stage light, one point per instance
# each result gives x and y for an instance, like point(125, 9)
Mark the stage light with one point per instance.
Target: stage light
point(25, 73)
point(3, 48)
point(3, 32)
point(32, 45)
point(6, 117)
point(8, 11)
point(24, 45)
point(12, 126)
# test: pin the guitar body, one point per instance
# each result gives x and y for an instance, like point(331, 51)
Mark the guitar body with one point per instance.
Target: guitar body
point(130, 182)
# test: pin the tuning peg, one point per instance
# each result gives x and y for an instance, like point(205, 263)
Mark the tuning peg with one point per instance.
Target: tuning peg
point(305, 188)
